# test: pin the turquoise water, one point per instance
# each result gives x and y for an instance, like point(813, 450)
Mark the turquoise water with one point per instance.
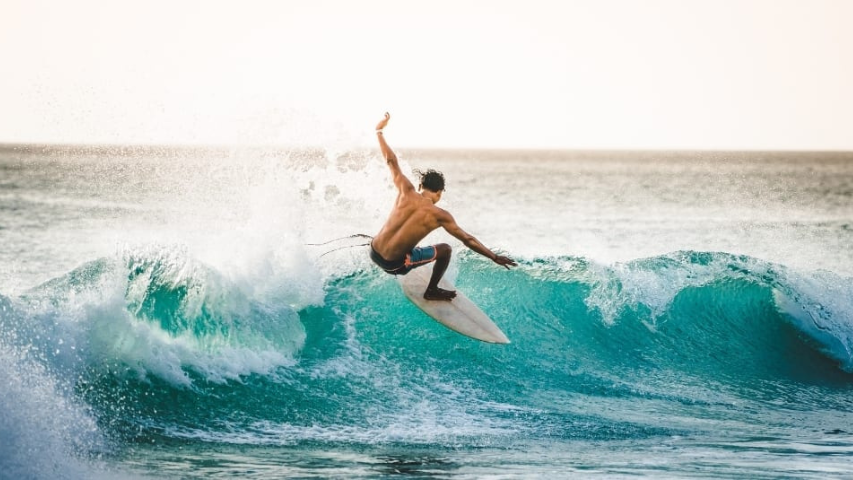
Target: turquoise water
point(673, 315)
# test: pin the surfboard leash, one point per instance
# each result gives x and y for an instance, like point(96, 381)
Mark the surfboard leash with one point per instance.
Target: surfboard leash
point(356, 235)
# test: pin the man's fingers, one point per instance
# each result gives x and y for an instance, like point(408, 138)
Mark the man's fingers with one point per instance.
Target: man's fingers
point(506, 262)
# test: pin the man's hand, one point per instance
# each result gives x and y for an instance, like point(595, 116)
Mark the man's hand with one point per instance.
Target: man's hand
point(505, 262)
point(382, 123)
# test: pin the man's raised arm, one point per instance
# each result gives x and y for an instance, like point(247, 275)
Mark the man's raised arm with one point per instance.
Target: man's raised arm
point(400, 181)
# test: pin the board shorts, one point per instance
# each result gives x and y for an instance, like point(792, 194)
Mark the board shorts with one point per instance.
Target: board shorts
point(417, 257)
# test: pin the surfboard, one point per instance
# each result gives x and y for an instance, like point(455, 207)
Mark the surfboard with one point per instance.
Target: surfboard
point(460, 314)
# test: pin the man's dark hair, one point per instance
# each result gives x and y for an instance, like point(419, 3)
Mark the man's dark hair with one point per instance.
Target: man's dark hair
point(431, 180)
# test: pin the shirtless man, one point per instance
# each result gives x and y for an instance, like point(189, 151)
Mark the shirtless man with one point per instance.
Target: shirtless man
point(414, 216)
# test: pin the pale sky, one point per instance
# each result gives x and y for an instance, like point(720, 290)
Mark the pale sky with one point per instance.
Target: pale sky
point(716, 74)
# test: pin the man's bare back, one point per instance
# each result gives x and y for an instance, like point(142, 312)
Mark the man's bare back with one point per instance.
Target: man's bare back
point(412, 219)
point(414, 216)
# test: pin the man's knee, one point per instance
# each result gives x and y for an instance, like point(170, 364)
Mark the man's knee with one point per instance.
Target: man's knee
point(443, 250)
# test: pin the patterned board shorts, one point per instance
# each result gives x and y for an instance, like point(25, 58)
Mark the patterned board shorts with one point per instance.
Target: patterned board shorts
point(414, 259)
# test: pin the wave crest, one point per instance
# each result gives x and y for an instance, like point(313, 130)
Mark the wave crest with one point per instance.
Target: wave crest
point(160, 312)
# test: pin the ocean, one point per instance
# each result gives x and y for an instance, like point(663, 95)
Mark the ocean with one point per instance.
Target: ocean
point(673, 315)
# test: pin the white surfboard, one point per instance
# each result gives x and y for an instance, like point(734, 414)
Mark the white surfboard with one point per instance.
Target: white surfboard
point(459, 314)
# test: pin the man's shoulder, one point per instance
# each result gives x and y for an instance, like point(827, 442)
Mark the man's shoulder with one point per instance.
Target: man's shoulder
point(440, 213)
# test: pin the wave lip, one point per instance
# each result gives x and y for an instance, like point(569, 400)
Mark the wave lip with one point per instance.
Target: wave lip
point(160, 312)
point(818, 304)
point(821, 306)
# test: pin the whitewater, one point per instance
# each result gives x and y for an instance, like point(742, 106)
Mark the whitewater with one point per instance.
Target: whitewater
point(673, 315)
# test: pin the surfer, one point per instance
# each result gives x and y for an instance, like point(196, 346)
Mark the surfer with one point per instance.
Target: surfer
point(414, 216)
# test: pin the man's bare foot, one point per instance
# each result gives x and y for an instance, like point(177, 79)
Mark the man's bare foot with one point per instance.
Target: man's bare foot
point(439, 294)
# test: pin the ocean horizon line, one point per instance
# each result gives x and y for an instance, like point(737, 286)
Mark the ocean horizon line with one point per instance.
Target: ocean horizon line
point(144, 148)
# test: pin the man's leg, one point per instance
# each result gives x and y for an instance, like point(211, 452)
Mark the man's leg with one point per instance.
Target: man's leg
point(442, 260)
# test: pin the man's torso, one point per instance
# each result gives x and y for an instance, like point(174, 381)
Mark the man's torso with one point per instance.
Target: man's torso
point(412, 219)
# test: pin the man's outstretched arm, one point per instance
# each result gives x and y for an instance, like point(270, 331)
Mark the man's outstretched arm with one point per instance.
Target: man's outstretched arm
point(400, 181)
point(449, 224)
